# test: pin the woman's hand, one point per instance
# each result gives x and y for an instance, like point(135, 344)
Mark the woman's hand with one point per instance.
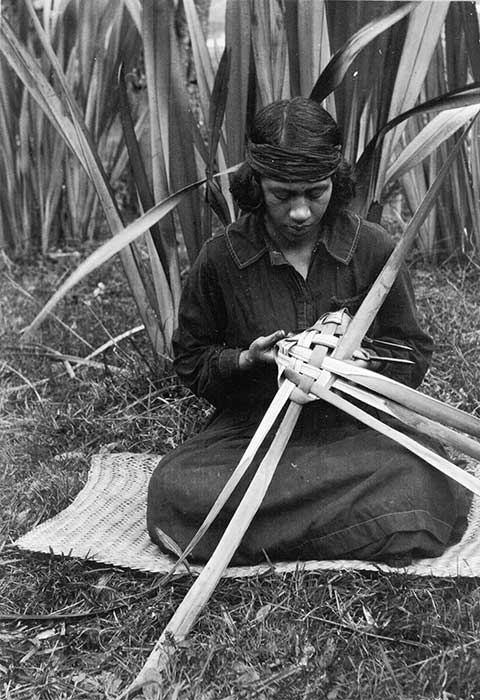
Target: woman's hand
point(261, 350)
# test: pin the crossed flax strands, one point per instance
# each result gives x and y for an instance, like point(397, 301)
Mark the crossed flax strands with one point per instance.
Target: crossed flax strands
point(323, 376)
point(312, 366)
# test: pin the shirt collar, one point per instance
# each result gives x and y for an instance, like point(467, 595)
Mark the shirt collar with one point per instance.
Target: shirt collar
point(247, 239)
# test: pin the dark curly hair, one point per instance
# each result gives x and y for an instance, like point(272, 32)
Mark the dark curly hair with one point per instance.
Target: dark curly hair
point(297, 123)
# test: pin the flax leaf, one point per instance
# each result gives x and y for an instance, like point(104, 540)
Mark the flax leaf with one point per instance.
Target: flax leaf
point(427, 141)
point(81, 143)
point(338, 66)
point(109, 249)
point(115, 245)
point(424, 27)
point(136, 162)
point(367, 163)
point(376, 296)
point(156, 34)
point(237, 38)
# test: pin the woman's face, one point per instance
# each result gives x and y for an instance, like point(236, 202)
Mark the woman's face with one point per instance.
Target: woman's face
point(294, 211)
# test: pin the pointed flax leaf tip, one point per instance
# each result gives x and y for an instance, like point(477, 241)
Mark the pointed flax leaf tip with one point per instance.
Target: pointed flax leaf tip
point(335, 71)
point(115, 245)
point(107, 251)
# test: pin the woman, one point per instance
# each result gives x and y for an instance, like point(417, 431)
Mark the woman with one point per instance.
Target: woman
point(340, 490)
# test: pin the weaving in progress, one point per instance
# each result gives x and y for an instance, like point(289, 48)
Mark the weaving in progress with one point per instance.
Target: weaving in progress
point(346, 459)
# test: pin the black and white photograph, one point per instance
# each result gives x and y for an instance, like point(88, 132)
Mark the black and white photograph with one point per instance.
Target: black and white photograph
point(239, 349)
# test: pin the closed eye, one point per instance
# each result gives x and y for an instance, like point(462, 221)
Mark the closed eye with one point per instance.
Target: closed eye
point(284, 195)
point(281, 195)
point(316, 193)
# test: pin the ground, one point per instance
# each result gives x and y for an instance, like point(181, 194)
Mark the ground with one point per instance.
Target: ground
point(330, 635)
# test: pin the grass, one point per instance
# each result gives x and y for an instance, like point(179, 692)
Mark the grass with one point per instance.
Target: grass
point(329, 635)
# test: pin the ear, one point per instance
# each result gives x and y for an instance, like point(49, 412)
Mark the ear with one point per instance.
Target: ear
point(246, 188)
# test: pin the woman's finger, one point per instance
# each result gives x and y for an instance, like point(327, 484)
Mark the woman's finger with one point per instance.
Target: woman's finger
point(270, 340)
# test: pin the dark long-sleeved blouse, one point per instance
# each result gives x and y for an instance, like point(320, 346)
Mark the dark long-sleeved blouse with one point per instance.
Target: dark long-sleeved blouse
point(340, 490)
point(240, 288)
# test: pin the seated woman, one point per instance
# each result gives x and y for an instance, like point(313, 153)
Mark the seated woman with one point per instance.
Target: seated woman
point(340, 490)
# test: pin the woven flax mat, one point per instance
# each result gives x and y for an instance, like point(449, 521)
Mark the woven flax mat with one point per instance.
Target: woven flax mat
point(106, 523)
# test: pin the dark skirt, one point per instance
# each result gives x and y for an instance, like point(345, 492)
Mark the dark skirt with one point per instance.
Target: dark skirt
point(340, 491)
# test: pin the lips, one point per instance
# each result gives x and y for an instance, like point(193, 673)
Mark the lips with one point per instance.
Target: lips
point(299, 229)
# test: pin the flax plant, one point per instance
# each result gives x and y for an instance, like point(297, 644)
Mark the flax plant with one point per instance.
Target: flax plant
point(368, 62)
point(454, 224)
point(31, 165)
point(48, 196)
point(375, 62)
point(394, 87)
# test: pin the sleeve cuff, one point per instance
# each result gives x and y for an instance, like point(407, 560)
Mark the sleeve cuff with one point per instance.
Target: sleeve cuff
point(228, 362)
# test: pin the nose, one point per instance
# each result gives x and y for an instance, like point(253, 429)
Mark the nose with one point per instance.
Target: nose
point(300, 210)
